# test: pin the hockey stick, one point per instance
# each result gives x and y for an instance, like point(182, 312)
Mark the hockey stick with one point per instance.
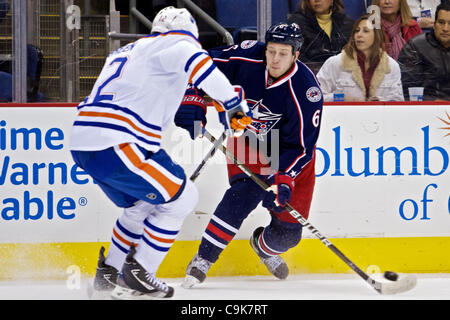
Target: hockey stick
point(208, 156)
point(402, 284)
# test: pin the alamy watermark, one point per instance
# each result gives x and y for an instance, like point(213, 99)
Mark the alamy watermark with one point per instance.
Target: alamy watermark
point(73, 281)
point(374, 21)
point(73, 20)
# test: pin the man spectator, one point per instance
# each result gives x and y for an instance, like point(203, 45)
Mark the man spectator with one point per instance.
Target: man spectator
point(425, 59)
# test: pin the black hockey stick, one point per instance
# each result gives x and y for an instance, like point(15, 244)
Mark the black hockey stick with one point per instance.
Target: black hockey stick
point(402, 284)
point(208, 156)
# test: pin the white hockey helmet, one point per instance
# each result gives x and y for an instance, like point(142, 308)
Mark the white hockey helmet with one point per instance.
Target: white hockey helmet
point(171, 18)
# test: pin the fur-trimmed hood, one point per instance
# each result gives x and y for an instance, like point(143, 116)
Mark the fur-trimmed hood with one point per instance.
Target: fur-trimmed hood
point(380, 72)
point(343, 74)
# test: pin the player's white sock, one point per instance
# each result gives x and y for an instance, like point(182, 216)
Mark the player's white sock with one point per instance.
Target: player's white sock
point(161, 228)
point(127, 230)
point(156, 241)
point(121, 241)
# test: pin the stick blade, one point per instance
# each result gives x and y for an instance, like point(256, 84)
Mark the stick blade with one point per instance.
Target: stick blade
point(403, 284)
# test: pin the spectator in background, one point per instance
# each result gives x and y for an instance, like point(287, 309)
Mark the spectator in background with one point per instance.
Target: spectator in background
point(5, 87)
point(363, 71)
point(5, 78)
point(34, 69)
point(420, 10)
point(397, 24)
point(325, 27)
point(4, 8)
point(425, 60)
point(355, 8)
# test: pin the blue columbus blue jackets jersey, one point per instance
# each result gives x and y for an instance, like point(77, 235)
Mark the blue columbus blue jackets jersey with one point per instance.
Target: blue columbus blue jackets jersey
point(287, 111)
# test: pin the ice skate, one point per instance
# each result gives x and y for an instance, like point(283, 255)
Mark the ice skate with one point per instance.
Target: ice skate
point(196, 271)
point(105, 279)
point(136, 283)
point(275, 264)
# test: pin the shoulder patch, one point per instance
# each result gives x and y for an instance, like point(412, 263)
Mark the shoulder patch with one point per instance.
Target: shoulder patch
point(247, 44)
point(314, 94)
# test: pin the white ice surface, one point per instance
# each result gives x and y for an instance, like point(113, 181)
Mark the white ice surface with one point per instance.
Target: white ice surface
point(296, 287)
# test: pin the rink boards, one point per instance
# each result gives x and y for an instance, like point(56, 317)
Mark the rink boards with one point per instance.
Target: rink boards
point(382, 195)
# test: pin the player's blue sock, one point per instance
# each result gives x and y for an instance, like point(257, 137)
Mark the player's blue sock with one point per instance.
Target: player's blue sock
point(238, 201)
point(280, 236)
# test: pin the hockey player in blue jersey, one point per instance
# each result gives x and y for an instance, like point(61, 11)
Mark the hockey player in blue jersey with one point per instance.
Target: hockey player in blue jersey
point(286, 102)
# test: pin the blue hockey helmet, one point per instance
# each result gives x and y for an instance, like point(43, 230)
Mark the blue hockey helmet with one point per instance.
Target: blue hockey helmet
point(286, 33)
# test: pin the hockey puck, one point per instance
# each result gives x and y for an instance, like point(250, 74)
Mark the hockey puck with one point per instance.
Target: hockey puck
point(391, 275)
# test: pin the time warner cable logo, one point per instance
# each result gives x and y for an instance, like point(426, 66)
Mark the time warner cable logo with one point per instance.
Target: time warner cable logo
point(23, 193)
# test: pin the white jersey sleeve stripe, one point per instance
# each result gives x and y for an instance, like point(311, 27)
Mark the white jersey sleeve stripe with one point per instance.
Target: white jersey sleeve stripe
point(199, 68)
point(191, 60)
point(204, 75)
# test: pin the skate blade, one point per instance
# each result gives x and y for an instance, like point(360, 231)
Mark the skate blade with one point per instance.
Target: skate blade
point(189, 281)
point(121, 293)
point(101, 295)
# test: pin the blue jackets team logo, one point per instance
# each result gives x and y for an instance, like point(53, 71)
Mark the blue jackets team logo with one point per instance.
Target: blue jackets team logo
point(314, 94)
point(263, 119)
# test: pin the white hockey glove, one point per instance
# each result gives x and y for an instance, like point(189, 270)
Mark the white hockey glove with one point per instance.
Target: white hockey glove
point(234, 114)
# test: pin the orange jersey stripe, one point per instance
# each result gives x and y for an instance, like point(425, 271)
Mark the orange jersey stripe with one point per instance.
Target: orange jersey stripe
point(158, 238)
point(171, 187)
point(118, 236)
point(117, 117)
point(198, 66)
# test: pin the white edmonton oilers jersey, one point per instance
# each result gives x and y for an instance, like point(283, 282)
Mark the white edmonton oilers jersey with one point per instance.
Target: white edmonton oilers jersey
point(140, 89)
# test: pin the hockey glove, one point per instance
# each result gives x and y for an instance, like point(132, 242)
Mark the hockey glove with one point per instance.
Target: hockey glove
point(191, 113)
point(234, 114)
point(279, 192)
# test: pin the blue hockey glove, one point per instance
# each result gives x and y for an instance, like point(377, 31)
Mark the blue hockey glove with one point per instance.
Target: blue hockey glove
point(234, 114)
point(191, 113)
point(279, 192)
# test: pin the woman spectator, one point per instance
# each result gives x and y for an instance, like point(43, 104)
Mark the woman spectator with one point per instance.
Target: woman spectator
point(362, 71)
point(397, 23)
point(325, 27)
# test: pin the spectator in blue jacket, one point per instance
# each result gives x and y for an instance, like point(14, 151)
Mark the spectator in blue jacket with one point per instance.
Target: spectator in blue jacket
point(5, 87)
point(34, 68)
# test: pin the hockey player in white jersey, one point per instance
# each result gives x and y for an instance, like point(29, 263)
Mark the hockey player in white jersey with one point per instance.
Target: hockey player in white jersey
point(116, 139)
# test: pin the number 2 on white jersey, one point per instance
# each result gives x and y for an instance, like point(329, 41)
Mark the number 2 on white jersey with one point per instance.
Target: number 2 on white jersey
point(108, 97)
